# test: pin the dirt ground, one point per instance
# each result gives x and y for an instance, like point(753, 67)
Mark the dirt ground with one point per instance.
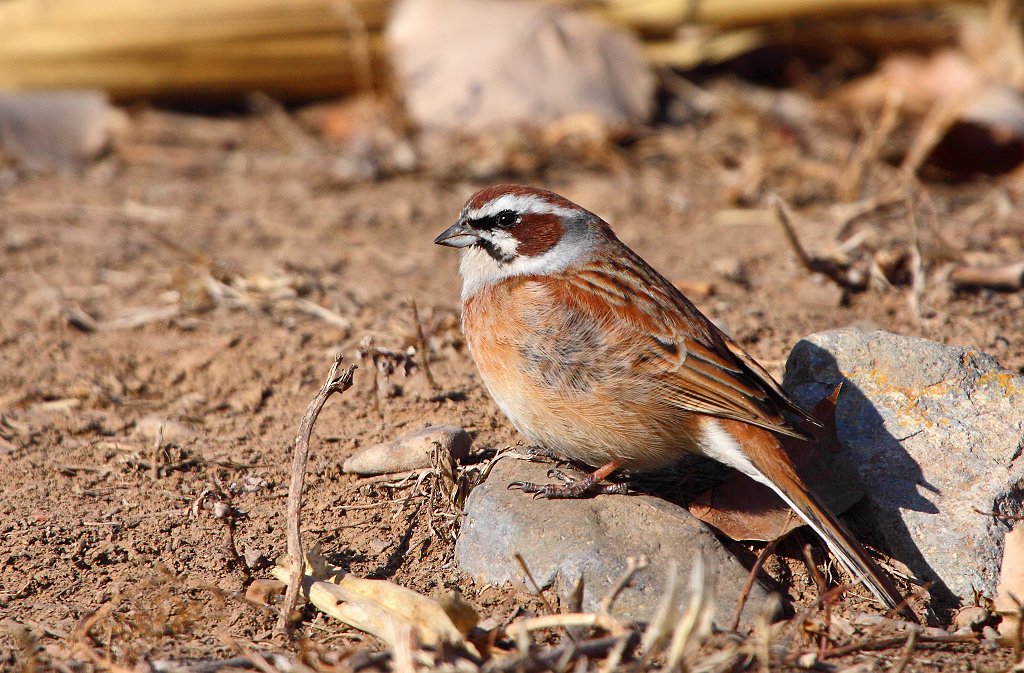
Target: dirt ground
point(177, 278)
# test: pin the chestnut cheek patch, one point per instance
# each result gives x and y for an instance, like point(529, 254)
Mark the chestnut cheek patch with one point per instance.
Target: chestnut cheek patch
point(537, 233)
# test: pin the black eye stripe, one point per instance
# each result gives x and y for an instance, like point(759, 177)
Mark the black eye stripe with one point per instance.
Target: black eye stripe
point(502, 220)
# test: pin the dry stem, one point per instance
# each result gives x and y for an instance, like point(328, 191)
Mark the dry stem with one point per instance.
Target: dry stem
point(421, 344)
point(749, 584)
point(333, 384)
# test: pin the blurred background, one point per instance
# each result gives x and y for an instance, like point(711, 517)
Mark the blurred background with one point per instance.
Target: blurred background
point(938, 82)
point(202, 201)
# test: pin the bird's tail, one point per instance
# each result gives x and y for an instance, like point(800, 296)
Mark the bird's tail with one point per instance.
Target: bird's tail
point(771, 466)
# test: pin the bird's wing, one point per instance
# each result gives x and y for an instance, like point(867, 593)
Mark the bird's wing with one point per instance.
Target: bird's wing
point(693, 364)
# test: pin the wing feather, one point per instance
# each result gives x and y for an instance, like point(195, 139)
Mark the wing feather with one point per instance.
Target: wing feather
point(694, 365)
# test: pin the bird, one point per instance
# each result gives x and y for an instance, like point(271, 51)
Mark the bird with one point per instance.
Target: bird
point(598, 359)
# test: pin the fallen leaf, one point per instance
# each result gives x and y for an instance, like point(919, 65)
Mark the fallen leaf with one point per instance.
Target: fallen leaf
point(378, 607)
point(744, 509)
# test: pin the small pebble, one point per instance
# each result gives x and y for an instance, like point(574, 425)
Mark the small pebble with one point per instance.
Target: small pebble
point(254, 558)
point(411, 452)
point(972, 617)
point(263, 591)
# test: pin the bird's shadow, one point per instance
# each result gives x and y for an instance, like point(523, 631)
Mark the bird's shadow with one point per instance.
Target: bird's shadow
point(894, 481)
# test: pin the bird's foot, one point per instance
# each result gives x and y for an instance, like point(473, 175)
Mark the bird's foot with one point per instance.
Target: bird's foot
point(590, 484)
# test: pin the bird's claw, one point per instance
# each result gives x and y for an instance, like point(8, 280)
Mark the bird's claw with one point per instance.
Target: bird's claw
point(537, 490)
point(555, 473)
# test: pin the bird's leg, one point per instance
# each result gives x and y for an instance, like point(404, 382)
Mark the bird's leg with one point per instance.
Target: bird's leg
point(574, 488)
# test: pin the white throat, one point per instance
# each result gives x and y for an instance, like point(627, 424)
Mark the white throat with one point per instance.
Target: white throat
point(479, 269)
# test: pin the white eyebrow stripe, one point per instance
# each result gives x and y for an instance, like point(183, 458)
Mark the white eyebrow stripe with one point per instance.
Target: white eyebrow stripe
point(522, 204)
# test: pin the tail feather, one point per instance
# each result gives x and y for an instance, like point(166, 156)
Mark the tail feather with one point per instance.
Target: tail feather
point(841, 542)
point(765, 461)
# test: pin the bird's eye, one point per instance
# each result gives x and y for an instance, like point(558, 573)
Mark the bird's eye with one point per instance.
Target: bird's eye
point(505, 219)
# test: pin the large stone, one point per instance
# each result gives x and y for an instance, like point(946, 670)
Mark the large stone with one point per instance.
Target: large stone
point(563, 540)
point(471, 65)
point(936, 433)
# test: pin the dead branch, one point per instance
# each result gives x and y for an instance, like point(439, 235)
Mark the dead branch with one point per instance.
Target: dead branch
point(840, 272)
point(333, 384)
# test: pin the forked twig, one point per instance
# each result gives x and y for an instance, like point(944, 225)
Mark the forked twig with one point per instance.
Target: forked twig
point(843, 274)
point(333, 384)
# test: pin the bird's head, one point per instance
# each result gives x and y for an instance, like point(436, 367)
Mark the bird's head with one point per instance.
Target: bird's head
point(512, 230)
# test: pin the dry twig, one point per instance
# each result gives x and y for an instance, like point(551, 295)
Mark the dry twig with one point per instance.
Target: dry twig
point(741, 602)
point(875, 644)
point(421, 344)
point(633, 565)
point(867, 151)
point(917, 273)
point(333, 384)
point(824, 596)
point(842, 273)
point(536, 587)
point(158, 452)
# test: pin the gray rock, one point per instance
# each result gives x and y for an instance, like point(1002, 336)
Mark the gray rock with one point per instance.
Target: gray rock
point(54, 129)
point(411, 452)
point(562, 540)
point(456, 72)
point(936, 433)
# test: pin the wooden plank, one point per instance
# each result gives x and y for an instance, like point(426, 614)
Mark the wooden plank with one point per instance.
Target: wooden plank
point(158, 48)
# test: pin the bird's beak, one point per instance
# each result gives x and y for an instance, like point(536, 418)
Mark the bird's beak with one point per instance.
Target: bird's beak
point(457, 236)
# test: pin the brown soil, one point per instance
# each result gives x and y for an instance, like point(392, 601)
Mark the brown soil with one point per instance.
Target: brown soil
point(87, 522)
